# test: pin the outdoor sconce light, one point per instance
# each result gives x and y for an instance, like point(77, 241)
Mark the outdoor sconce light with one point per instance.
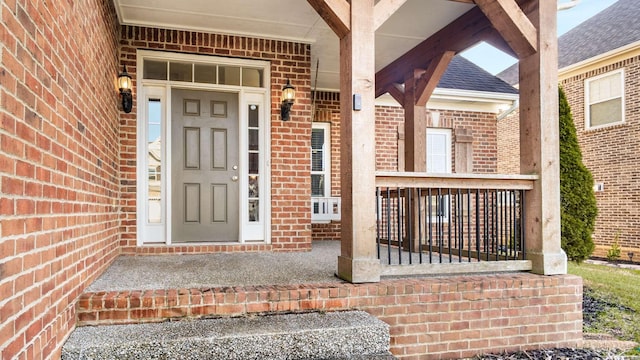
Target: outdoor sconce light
point(288, 97)
point(124, 84)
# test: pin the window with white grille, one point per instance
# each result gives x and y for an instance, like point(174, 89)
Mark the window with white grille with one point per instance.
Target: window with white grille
point(604, 100)
point(324, 208)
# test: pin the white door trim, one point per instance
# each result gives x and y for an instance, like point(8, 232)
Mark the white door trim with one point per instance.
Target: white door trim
point(258, 232)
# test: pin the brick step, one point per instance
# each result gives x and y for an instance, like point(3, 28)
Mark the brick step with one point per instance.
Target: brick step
point(132, 306)
point(332, 335)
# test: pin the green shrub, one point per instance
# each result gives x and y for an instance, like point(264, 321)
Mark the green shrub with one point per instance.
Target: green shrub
point(577, 200)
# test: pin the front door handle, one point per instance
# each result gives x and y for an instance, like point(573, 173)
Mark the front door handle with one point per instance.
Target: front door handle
point(234, 178)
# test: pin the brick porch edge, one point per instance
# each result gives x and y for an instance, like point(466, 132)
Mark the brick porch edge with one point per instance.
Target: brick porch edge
point(445, 317)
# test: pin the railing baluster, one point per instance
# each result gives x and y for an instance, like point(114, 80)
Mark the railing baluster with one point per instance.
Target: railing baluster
point(477, 224)
point(523, 221)
point(378, 225)
point(468, 225)
point(389, 225)
point(419, 197)
point(430, 225)
point(512, 228)
point(409, 221)
point(400, 221)
point(440, 220)
point(486, 223)
point(460, 235)
point(449, 227)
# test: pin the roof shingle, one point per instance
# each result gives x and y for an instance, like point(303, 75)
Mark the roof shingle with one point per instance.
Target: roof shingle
point(462, 74)
point(614, 27)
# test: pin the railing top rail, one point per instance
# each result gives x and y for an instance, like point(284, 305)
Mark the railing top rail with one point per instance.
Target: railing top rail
point(455, 181)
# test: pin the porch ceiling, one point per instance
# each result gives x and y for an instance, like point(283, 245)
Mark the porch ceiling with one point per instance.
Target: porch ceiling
point(293, 20)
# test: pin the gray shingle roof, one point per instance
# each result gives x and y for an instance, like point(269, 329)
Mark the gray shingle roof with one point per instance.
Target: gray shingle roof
point(612, 28)
point(462, 74)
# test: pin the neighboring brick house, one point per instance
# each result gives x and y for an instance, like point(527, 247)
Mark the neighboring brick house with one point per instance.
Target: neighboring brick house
point(79, 188)
point(599, 70)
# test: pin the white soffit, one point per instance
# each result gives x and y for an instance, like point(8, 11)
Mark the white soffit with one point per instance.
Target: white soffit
point(293, 20)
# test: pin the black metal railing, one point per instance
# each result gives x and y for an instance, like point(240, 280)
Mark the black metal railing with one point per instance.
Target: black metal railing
point(450, 222)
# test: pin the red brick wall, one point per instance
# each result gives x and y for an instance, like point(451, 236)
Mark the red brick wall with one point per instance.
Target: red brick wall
point(388, 118)
point(290, 141)
point(610, 154)
point(430, 318)
point(58, 166)
point(509, 144)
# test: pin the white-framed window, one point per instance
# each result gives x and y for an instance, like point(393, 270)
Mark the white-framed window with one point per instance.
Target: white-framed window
point(604, 100)
point(321, 160)
point(439, 161)
point(324, 208)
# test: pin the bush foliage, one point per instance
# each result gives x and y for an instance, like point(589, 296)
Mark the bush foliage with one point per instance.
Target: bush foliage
point(578, 202)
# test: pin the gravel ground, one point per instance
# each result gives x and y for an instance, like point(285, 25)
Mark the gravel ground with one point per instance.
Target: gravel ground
point(590, 308)
point(557, 354)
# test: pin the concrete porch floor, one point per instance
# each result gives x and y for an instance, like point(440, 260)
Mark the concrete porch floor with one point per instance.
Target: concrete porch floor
point(224, 269)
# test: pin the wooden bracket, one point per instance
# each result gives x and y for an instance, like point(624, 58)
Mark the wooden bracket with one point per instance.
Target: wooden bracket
point(336, 13)
point(507, 17)
point(397, 92)
point(427, 82)
point(383, 11)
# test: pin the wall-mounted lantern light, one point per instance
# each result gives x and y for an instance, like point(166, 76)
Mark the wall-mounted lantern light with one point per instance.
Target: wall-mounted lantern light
point(124, 84)
point(288, 97)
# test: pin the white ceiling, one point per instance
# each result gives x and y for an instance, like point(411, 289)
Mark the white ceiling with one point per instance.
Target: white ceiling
point(293, 20)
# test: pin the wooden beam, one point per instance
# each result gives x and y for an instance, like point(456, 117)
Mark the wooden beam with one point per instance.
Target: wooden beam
point(460, 34)
point(397, 92)
point(508, 18)
point(430, 79)
point(383, 11)
point(336, 13)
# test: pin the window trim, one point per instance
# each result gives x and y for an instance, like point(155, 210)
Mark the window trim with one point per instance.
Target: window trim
point(448, 158)
point(587, 104)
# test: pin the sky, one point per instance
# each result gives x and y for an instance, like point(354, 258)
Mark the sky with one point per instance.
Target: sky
point(494, 60)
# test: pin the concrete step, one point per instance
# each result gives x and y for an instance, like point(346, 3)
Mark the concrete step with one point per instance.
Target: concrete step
point(334, 335)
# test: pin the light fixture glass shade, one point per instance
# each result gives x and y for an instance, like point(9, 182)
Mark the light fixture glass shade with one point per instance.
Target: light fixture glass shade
point(124, 80)
point(288, 92)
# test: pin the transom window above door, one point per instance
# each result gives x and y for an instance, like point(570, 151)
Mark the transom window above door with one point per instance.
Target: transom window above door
point(203, 73)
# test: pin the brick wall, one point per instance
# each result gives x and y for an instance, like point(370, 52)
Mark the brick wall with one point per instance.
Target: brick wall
point(430, 318)
point(290, 141)
point(388, 119)
point(509, 144)
point(58, 166)
point(610, 154)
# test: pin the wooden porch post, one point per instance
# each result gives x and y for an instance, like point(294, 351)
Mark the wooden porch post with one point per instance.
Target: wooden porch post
point(539, 143)
point(355, 23)
point(358, 261)
point(415, 127)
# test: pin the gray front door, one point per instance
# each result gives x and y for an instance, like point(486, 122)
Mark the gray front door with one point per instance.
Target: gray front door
point(204, 141)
